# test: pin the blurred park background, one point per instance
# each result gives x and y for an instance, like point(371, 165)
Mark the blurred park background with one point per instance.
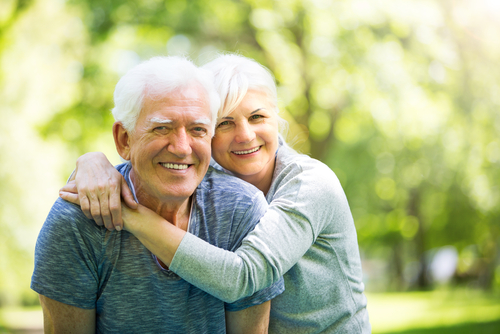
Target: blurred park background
point(400, 98)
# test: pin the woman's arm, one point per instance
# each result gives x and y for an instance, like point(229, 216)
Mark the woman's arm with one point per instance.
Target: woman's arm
point(96, 186)
point(153, 231)
point(276, 244)
point(307, 200)
point(268, 252)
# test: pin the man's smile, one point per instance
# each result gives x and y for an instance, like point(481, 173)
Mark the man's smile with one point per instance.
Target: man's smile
point(169, 165)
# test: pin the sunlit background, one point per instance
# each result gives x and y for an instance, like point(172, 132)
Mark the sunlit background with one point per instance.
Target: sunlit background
point(400, 98)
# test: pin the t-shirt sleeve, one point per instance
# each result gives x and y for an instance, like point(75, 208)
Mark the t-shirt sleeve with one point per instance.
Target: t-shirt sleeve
point(67, 255)
point(258, 298)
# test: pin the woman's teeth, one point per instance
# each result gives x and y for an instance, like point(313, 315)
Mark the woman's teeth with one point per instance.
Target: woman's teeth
point(175, 166)
point(247, 152)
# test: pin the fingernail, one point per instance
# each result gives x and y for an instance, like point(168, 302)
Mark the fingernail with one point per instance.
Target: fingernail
point(118, 228)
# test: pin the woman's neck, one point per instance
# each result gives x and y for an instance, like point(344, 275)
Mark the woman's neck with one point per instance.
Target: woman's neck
point(261, 180)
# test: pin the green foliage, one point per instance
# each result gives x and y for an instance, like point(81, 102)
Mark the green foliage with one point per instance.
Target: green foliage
point(399, 99)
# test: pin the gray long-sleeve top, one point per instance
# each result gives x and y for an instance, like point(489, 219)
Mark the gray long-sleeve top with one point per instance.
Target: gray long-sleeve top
point(308, 236)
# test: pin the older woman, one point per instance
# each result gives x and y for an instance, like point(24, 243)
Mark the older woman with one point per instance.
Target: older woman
point(307, 235)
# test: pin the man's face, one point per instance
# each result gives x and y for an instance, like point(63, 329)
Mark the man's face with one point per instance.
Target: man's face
point(170, 146)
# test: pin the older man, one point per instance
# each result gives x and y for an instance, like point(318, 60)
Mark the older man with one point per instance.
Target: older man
point(91, 279)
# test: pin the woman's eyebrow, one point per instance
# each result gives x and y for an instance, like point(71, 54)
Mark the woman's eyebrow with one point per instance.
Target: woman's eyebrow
point(253, 112)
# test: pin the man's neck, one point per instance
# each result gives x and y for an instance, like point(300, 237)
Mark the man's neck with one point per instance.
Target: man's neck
point(173, 209)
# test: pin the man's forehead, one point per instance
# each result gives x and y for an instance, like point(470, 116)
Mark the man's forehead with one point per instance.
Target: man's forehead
point(194, 91)
point(187, 102)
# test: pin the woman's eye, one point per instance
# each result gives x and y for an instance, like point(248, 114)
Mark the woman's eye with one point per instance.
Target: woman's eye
point(253, 117)
point(223, 123)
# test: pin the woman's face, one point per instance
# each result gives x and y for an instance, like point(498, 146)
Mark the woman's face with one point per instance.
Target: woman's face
point(246, 140)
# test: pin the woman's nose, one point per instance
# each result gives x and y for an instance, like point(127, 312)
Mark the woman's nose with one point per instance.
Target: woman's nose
point(245, 133)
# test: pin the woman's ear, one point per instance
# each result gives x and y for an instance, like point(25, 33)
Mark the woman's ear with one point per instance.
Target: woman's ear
point(122, 140)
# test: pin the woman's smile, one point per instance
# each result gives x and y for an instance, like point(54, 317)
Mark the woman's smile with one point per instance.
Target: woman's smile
point(246, 152)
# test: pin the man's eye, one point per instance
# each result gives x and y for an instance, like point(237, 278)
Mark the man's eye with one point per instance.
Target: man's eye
point(199, 130)
point(160, 128)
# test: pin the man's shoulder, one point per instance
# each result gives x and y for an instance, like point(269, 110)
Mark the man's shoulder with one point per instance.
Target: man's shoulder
point(64, 209)
point(67, 254)
point(67, 230)
point(68, 218)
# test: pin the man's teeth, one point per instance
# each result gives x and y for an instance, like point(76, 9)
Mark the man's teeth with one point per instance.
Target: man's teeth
point(175, 166)
point(247, 152)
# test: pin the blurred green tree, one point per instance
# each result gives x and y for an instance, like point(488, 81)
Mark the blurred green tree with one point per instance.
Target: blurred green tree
point(400, 99)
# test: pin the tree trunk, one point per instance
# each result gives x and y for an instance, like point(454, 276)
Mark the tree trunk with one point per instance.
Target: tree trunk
point(423, 281)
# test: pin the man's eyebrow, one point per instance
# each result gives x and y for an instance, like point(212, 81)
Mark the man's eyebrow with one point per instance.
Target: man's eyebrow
point(160, 120)
point(205, 121)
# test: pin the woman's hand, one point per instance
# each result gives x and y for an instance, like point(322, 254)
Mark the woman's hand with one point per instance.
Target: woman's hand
point(96, 188)
point(134, 220)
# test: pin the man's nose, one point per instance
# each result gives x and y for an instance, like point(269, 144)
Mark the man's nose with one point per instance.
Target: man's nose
point(179, 143)
point(244, 133)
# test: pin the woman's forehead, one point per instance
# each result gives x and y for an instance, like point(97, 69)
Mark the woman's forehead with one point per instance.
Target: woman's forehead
point(250, 102)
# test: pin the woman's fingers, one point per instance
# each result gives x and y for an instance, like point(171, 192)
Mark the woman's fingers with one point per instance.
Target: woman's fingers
point(98, 188)
point(115, 207)
point(70, 187)
point(127, 195)
point(70, 193)
point(69, 196)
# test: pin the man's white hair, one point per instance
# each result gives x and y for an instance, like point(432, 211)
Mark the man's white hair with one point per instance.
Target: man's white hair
point(155, 78)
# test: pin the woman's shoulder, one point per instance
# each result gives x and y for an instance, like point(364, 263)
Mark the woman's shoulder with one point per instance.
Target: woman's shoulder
point(311, 172)
point(311, 189)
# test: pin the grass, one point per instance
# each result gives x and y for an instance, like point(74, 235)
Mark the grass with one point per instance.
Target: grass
point(442, 311)
point(21, 320)
point(492, 327)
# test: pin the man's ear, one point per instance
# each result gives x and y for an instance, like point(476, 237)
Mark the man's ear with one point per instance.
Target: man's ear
point(122, 140)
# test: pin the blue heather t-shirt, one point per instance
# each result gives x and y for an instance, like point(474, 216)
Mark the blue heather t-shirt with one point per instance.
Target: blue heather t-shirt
point(85, 265)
